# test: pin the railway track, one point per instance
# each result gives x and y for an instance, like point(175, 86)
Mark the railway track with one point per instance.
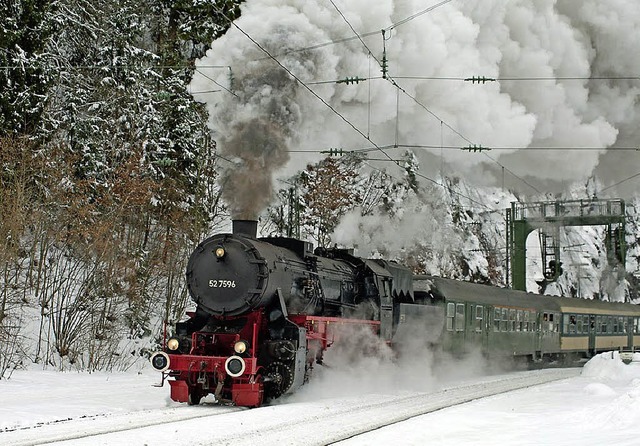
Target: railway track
point(462, 394)
point(85, 427)
point(317, 423)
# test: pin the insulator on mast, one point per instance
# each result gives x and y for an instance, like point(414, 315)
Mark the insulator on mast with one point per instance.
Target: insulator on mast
point(384, 66)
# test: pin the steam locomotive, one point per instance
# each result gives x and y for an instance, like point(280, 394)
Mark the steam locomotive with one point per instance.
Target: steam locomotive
point(267, 309)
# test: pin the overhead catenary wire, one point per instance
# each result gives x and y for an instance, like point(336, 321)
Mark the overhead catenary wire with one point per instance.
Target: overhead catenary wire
point(329, 106)
point(521, 78)
point(377, 147)
point(418, 174)
point(511, 172)
point(621, 182)
point(296, 78)
point(391, 79)
point(404, 77)
point(216, 82)
point(393, 82)
point(442, 122)
point(417, 14)
point(466, 79)
point(510, 148)
point(235, 163)
point(367, 34)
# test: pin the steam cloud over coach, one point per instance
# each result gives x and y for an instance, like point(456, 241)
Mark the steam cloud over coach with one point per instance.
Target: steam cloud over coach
point(266, 309)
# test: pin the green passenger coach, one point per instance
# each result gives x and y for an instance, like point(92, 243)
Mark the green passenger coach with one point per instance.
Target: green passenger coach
point(505, 323)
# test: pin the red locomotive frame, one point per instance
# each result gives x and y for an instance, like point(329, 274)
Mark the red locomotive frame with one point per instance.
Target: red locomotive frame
point(205, 368)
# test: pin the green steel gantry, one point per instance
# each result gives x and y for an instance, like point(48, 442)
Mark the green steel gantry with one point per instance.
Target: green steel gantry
point(548, 217)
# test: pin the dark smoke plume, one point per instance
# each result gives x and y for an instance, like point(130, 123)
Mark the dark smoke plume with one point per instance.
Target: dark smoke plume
point(261, 147)
point(256, 121)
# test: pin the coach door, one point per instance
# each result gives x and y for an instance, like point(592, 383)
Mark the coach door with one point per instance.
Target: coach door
point(386, 308)
point(592, 334)
point(476, 334)
point(456, 327)
point(549, 336)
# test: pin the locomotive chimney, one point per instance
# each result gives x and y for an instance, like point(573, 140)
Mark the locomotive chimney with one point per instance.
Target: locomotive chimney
point(247, 228)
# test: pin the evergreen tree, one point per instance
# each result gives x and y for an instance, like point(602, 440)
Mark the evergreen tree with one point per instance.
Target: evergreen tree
point(25, 27)
point(127, 182)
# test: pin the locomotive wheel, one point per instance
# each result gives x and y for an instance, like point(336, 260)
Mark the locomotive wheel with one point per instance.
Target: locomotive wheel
point(279, 379)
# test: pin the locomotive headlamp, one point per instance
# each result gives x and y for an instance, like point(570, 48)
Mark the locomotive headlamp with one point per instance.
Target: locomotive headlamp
point(240, 347)
point(220, 252)
point(173, 344)
point(234, 366)
point(160, 361)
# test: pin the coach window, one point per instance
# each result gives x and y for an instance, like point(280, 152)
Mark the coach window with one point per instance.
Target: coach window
point(636, 325)
point(526, 320)
point(519, 320)
point(451, 312)
point(459, 317)
point(568, 323)
point(505, 319)
point(610, 324)
point(479, 318)
point(621, 325)
point(496, 319)
point(532, 320)
point(552, 326)
point(579, 324)
point(512, 320)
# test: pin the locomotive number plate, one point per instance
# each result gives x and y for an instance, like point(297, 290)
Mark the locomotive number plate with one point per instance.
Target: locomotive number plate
point(222, 284)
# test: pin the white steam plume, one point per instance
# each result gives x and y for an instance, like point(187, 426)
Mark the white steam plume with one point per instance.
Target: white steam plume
point(360, 363)
point(550, 39)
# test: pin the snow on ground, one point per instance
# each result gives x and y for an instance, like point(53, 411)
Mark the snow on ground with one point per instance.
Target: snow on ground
point(599, 407)
point(39, 396)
